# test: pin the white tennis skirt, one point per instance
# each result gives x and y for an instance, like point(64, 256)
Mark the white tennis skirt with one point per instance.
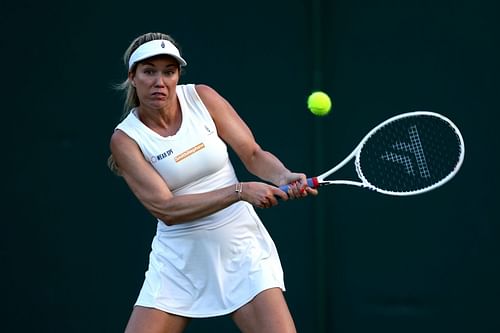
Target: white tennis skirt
point(211, 267)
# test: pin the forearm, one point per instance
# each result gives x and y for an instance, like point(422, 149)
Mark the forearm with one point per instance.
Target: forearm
point(266, 166)
point(185, 208)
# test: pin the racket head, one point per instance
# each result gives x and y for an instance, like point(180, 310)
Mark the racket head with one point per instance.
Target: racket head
point(410, 153)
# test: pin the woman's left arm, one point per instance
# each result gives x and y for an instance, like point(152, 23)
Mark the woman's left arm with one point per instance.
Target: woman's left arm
point(234, 131)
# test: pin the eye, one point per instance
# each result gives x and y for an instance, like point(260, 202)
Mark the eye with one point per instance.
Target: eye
point(169, 72)
point(149, 71)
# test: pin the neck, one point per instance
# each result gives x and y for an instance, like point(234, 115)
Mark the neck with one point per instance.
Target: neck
point(165, 121)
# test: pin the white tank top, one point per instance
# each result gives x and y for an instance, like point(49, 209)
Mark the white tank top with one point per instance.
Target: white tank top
point(194, 160)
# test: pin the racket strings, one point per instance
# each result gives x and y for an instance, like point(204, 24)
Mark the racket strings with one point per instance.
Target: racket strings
point(409, 154)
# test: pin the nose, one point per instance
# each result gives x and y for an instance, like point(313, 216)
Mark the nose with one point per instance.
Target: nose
point(159, 81)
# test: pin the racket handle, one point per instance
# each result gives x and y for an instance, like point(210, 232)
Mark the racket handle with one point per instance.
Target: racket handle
point(311, 182)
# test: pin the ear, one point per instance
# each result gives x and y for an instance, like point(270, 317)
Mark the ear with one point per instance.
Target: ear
point(131, 77)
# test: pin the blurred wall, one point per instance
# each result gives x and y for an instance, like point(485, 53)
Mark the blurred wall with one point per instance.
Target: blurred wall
point(75, 241)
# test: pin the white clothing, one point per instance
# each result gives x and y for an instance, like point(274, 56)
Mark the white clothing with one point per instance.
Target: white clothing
point(215, 264)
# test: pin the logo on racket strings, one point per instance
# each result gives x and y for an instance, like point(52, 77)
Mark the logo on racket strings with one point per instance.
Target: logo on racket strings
point(415, 148)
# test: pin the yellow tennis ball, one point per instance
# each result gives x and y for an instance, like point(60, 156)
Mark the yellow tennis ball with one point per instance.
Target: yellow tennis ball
point(319, 103)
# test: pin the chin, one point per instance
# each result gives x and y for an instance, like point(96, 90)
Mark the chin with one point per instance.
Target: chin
point(158, 104)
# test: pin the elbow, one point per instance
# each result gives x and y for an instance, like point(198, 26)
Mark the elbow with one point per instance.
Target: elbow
point(167, 222)
point(161, 212)
point(170, 212)
point(167, 219)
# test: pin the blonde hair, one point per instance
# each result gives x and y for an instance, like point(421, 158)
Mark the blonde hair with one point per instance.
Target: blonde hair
point(131, 98)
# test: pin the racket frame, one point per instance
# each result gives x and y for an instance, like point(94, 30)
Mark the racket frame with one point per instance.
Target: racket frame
point(321, 179)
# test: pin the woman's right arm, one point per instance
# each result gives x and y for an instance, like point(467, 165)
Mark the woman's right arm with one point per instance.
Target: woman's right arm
point(152, 191)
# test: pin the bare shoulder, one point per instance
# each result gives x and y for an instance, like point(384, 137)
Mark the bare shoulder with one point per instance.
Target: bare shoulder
point(217, 105)
point(208, 95)
point(119, 141)
point(205, 91)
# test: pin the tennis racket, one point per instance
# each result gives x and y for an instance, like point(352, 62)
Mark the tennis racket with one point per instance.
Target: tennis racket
point(408, 154)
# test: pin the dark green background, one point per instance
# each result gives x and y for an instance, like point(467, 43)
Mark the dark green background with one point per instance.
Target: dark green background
point(74, 241)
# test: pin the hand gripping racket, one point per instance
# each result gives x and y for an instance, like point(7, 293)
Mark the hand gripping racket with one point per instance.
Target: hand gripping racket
point(408, 154)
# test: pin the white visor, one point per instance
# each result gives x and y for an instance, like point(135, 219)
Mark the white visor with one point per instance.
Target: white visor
point(153, 48)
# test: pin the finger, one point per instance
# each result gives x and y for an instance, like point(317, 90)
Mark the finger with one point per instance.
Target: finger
point(273, 200)
point(260, 205)
point(312, 191)
point(280, 195)
point(296, 190)
point(268, 203)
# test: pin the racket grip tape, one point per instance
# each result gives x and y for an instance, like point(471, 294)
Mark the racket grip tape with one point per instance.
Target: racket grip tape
point(311, 182)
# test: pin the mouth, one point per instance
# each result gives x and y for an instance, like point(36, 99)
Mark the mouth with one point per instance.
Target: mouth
point(159, 95)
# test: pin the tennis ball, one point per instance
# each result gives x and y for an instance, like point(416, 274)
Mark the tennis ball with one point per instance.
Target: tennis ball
point(319, 103)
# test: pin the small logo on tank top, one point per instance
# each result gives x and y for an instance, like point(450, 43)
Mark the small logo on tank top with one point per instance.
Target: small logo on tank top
point(161, 156)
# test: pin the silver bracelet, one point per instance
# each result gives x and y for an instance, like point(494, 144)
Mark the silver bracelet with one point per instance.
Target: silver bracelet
point(238, 190)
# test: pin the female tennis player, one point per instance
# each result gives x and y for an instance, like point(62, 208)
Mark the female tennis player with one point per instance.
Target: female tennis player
point(211, 255)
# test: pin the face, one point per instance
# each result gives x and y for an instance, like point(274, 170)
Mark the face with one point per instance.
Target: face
point(155, 80)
